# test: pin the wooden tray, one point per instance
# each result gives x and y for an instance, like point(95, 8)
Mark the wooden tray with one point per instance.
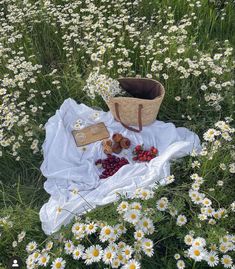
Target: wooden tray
point(90, 134)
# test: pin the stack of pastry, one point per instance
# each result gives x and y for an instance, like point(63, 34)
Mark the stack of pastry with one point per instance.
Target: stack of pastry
point(119, 142)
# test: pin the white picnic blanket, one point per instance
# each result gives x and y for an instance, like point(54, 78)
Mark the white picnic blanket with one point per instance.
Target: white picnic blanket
point(73, 179)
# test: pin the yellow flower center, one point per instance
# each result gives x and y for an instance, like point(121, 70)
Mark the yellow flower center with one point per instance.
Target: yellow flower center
point(77, 253)
point(107, 231)
point(124, 206)
point(139, 234)
point(108, 255)
point(147, 244)
point(127, 251)
point(132, 266)
point(197, 244)
point(145, 224)
point(133, 216)
point(226, 261)
point(161, 205)
point(43, 259)
point(69, 245)
point(77, 228)
point(91, 226)
point(36, 255)
point(120, 257)
point(197, 252)
point(96, 252)
point(58, 265)
point(212, 259)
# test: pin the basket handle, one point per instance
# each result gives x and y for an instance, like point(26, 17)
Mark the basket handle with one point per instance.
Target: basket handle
point(126, 126)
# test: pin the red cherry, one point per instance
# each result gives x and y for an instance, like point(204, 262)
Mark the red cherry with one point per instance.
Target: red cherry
point(154, 151)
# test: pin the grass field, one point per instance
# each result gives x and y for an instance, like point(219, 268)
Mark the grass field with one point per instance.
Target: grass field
point(48, 49)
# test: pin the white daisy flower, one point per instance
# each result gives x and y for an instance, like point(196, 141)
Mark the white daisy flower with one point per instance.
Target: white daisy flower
point(127, 252)
point(132, 264)
point(106, 233)
point(121, 229)
point(146, 243)
point(43, 259)
point(31, 246)
point(121, 258)
point(58, 263)
point(202, 217)
point(77, 228)
point(188, 239)
point(78, 252)
point(148, 251)
point(196, 253)
point(123, 206)
point(181, 220)
point(108, 255)
point(93, 254)
point(138, 235)
point(49, 245)
point(199, 242)
point(91, 228)
point(132, 216)
point(170, 179)
point(136, 206)
point(146, 225)
point(212, 259)
point(223, 248)
point(210, 135)
point(177, 256)
point(21, 236)
point(162, 204)
point(121, 245)
point(68, 247)
point(180, 264)
point(146, 194)
point(36, 255)
point(206, 202)
point(115, 263)
point(227, 261)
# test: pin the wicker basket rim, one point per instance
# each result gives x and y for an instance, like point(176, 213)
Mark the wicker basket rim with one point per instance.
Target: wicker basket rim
point(138, 99)
point(120, 98)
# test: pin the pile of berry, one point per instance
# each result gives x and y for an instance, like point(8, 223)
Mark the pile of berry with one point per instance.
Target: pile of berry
point(110, 165)
point(144, 155)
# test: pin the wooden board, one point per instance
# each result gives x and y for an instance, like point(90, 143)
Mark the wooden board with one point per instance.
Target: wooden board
point(90, 134)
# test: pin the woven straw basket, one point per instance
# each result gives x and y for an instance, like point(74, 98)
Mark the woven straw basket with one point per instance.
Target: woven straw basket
point(142, 108)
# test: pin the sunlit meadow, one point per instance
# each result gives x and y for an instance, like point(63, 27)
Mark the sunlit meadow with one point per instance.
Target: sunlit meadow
point(48, 49)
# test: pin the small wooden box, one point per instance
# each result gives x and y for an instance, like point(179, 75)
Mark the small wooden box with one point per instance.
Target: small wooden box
point(90, 134)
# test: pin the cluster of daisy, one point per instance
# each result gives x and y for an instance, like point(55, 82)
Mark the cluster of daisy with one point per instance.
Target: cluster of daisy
point(213, 254)
point(5, 222)
point(98, 84)
point(208, 213)
point(20, 96)
point(218, 138)
point(20, 238)
point(112, 250)
point(161, 54)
